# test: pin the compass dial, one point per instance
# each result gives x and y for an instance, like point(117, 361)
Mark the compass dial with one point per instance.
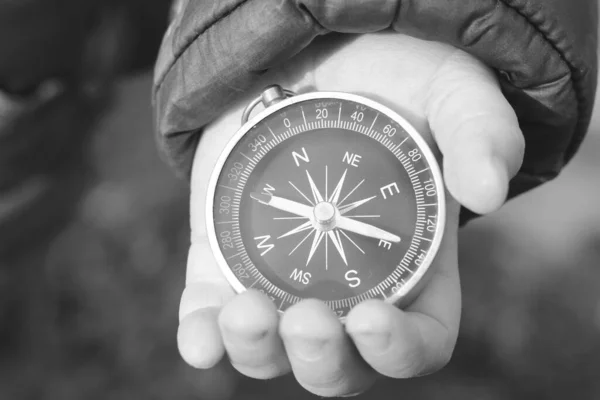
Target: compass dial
point(329, 196)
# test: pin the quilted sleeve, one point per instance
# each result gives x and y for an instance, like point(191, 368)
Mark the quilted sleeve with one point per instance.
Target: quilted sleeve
point(544, 52)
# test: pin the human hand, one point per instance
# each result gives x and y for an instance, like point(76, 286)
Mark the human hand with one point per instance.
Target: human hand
point(456, 104)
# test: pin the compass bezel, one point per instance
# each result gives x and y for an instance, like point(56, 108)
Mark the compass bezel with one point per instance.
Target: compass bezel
point(414, 284)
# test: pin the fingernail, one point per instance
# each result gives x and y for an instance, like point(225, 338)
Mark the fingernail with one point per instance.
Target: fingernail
point(376, 342)
point(306, 349)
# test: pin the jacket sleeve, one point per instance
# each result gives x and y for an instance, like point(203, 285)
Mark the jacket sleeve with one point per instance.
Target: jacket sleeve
point(544, 52)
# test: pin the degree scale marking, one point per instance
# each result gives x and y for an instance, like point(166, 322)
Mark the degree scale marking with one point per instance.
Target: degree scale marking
point(378, 137)
point(360, 128)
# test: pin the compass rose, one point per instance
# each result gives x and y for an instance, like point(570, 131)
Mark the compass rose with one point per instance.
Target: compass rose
point(325, 218)
point(325, 195)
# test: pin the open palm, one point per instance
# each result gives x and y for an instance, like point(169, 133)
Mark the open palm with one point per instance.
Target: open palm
point(455, 102)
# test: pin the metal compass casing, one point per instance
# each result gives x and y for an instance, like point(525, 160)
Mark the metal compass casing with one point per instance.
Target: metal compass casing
point(326, 195)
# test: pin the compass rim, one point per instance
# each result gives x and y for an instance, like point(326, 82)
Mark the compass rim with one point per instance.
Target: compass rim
point(413, 286)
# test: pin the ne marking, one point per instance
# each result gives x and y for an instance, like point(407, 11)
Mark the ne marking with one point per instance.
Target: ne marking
point(303, 116)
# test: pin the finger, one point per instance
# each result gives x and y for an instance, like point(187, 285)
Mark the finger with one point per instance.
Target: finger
point(249, 327)
point(199, 337)
point(476, 130)
point(396, 343)
point(323, 358)
point(420, 339)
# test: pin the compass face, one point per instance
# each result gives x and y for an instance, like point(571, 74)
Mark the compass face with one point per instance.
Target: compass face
point(329, 196)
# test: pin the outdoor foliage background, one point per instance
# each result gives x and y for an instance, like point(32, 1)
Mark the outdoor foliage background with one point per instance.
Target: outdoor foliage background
point(92, 314)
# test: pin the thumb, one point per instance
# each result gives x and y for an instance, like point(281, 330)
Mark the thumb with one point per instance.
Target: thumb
point(207, 289)
point(477, 132)
point(206, 292)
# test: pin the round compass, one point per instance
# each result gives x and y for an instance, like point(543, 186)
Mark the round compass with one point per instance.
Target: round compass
point(326, 195)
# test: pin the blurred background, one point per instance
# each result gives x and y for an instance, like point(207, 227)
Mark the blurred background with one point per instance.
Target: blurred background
point(92, 312)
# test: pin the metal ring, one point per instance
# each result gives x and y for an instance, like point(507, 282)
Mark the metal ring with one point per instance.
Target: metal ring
point(256, 101)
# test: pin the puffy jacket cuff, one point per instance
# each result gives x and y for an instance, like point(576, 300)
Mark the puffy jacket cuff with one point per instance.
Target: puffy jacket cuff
point(543, 50)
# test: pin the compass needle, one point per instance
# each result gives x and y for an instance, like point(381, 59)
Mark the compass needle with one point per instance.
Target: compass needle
point(261, 198)
point(283, 204)
point(328, 169)
point(365, 229)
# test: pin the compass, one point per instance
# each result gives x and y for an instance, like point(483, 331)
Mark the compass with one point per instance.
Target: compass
point(325, 195)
